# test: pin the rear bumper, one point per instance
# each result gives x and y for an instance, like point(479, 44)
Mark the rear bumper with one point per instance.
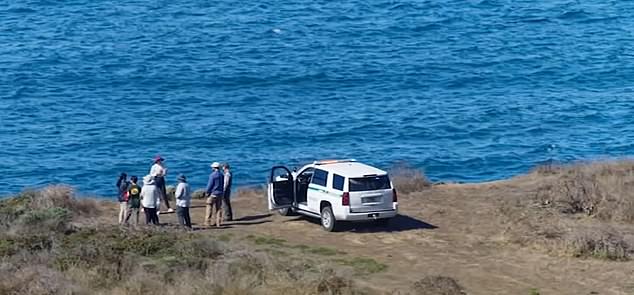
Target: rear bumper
point(346, 215)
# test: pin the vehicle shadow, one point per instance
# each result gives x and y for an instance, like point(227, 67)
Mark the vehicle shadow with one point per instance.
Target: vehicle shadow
point(253, 217)
point(249, 222)
point(399, 223)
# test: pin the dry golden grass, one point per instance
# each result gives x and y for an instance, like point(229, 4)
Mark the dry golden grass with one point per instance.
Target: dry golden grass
point(407, 180)
point(437, 285)
point(576, 210)
point(61, 196)
point(601, 190)
point(602, 242)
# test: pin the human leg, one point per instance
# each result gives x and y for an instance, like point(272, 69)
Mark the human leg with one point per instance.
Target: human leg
point(160, 184)
point(156, 218)
point(188, 220)
point(218, 216)
point(149, 212)
point(226, 207)
point(208, 212)
point(122, 210)
point(180, 214)
point(136, 212)
point(128, 213)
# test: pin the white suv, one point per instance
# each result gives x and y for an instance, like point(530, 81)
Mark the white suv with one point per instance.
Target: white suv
point(333, 190)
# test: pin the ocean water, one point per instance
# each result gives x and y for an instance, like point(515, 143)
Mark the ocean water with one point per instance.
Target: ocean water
point(465, 90)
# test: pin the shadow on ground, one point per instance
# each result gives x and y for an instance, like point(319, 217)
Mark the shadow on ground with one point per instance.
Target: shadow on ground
point(253, 217)
point(399, 223)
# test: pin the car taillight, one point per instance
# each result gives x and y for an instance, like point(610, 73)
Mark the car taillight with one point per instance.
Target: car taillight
point(394, 196)
point(345, 199)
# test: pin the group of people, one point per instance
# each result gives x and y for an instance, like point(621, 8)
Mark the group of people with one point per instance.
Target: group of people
point(134, 198)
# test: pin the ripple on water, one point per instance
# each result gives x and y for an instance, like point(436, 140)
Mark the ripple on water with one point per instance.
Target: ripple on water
point(466, 91)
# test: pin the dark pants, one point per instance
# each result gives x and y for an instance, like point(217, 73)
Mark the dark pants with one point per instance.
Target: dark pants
point(150, 216)
point(129, 213)
point(183, 216)
point(159, 181)
point(226, 205)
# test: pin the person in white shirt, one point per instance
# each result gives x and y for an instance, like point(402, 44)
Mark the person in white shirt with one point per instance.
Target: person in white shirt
point(226, 199)
point(150, 200)
point(183, 201)
point(158, 171)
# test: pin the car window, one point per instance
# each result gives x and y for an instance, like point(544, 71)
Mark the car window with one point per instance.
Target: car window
point(305, 176)
point(369, 183)
point(320, 177)
point(337, 182)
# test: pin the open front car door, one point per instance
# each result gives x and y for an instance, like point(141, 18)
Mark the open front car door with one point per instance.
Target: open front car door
point(281, 188)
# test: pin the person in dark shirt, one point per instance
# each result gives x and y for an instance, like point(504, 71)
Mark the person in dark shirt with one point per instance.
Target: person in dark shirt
point(226, 199)
point(215, 193)
point(122, 195)
point(134, 200)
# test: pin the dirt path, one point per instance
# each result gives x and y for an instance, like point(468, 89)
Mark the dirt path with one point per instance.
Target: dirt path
point(450, 230)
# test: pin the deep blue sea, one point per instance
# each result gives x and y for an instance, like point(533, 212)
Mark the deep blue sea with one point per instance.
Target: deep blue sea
point(465, 90)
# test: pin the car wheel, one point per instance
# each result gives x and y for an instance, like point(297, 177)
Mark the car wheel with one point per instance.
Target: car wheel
point(285, 211)
point(328, 221)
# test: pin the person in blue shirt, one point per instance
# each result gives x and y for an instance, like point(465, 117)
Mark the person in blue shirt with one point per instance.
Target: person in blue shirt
point(215, 194)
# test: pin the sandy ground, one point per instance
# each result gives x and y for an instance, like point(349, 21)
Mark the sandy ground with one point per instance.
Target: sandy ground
point(449, 230)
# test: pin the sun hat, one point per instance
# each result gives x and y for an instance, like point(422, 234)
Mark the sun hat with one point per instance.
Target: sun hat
point(158, 158)
point(215, 165)
point(181, 177)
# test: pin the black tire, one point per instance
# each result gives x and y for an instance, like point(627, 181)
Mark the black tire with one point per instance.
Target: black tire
point(328, 221)
point(285, 211)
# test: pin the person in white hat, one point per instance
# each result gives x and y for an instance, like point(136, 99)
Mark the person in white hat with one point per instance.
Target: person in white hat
point(150, 200)
point(215, 193)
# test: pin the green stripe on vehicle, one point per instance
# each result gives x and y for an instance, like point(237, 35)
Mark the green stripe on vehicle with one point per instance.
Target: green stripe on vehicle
point(324, 191)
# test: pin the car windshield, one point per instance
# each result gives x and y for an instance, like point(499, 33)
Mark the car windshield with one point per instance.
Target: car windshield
point(369, 183)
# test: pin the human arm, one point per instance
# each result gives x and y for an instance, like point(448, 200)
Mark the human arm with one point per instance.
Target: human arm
point(210, 184)
point(180, 191)
point(123, 188)
point(158, 170)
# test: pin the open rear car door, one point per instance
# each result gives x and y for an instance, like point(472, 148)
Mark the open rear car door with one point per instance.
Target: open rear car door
point(281, 188)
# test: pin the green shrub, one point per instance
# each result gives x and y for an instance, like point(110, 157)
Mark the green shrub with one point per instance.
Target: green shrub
point(11, 245)
point(44, 220)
